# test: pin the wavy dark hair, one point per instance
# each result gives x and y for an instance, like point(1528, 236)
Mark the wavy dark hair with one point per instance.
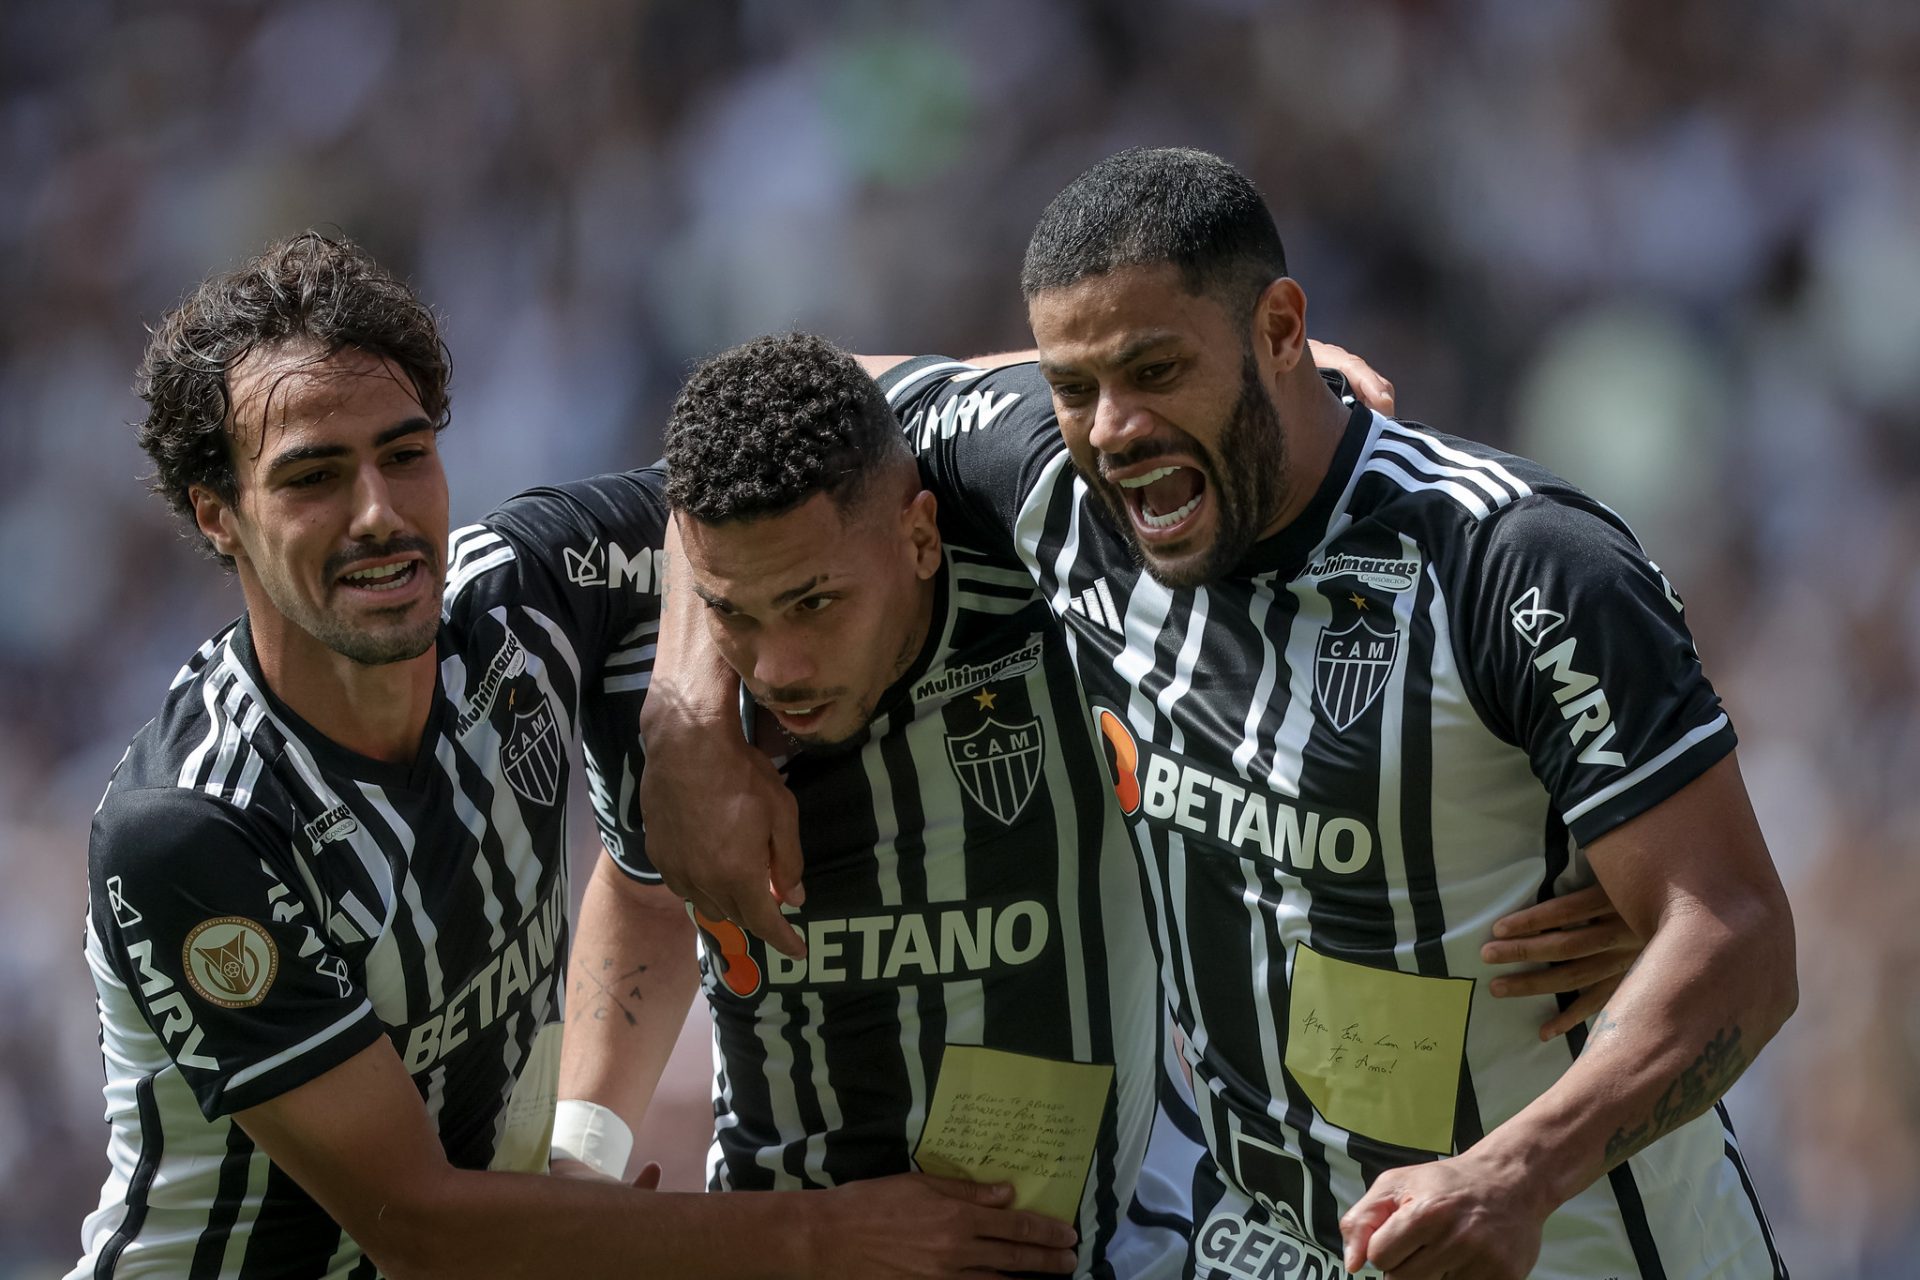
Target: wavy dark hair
point(1150, 206)
point(763, 427)
point(312, 289)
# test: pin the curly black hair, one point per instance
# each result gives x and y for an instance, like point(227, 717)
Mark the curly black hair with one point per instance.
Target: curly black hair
point(1149, 206)
point(762, 428)
point(313, 289)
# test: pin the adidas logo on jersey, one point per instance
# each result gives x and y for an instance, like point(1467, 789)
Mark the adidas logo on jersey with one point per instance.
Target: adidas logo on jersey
point(1096, 604)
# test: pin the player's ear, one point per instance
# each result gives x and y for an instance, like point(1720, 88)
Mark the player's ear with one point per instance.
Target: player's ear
point(216, 519)
point(920, 519)
point(1280, 324)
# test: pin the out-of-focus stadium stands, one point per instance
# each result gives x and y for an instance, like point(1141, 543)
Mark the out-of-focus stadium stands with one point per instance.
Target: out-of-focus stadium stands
point(1672, 250)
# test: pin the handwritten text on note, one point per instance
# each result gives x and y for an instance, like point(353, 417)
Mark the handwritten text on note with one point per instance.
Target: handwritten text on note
point(1007, 1117)
point(1378, 1051)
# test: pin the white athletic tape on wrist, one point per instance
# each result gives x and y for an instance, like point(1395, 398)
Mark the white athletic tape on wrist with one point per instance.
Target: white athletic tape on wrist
point(593, 1135)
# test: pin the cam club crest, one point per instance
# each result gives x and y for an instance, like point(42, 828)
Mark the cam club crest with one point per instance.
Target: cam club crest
point(533, 755)
point(998, 765)
point(230, 961)
point(1350, 668)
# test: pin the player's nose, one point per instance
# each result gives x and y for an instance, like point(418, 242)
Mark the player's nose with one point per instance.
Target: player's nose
point(784, 664)
point(375, 517)
point(1118, 421)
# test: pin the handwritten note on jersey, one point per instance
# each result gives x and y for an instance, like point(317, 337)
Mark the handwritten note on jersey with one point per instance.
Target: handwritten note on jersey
point(1378, 1051)
point(1007, 1117)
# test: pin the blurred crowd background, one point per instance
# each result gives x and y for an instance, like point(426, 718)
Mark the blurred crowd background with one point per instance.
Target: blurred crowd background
point(1672, 250)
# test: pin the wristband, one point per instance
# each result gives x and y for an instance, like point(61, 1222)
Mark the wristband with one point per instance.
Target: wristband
point(591, 1134)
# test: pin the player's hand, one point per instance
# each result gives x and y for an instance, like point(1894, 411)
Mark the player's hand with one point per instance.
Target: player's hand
point(1374, 391)
point(722, 828)
point(1583, 943)
point(1454, 1217)
point(915, 1225)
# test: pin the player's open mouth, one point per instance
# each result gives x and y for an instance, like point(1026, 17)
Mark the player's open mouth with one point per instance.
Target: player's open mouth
point(1163, 499)
point(799, 719)
point(392, 577)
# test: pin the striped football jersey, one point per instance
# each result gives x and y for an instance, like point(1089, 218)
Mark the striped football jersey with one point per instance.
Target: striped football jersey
point(1401, 717)
point(969, 888)
point(266, 903)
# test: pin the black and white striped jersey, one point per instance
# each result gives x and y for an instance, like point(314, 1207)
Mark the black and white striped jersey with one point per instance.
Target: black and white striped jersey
point(1398, 720)
point(967, 885)
point(265, 903)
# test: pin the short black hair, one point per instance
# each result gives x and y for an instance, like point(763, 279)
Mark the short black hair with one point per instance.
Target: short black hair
point(1150, 206)
point(760, 429)
point(309, 288)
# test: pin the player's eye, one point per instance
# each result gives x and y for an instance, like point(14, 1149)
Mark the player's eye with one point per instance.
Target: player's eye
point(309, 479)
point(1070, 393)
point(814, 604)
point(1159, 371)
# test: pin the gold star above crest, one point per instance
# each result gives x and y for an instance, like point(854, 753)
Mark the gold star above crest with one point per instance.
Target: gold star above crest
point(1359, 601)
point(984, 699)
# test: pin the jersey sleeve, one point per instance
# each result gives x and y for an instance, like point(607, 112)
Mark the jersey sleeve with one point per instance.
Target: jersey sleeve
point(595, 551)
point(219, 948)
point(589, 556)
point(984, 437)
point(1576, 648)
point(600, 545)
point(616, 758)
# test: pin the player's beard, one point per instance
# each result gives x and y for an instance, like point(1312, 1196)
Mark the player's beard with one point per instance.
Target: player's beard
point(383, 642)
point(1244, 480)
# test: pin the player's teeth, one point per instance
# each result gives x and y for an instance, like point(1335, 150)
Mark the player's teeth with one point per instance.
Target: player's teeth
point(1172, 517)
point(1141, 482)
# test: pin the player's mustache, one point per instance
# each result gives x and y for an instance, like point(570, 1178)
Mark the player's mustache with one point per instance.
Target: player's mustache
point(1145, 451)
point(794, 695)
point(397, 545)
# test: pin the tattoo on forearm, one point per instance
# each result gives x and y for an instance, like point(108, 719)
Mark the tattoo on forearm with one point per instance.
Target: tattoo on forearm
point(594, 994)
point(1692, 1092)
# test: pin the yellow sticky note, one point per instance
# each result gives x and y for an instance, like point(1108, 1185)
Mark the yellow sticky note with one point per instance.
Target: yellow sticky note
point(1007, 1117)
point(1378, 1051)
point(528, 1134)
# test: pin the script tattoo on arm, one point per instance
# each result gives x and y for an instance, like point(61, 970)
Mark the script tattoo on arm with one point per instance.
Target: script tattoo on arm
point(1692, 1092)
